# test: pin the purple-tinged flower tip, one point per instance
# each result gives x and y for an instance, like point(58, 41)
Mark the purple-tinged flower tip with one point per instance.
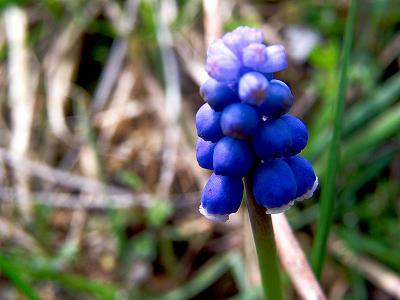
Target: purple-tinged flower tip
point(253, 88)
point(221, 196)
point(204, 153)
point(272, 139)
point(298, 132)
point(232, 157)
point(239, 121)
point(241, 37)
point(218, 94)
point(208, 123)
point(274, 185)
point(255, 55)
point(305, 177)
point(279, 99)
point(222, 64)
point(277, 60)
point(223, 68)
point(218, 48)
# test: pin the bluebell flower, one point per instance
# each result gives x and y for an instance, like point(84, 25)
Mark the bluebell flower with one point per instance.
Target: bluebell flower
point(272, 139)
point(208, 123)
point(274, 186)
point(222, 64)
point(239, 120)
point(218, 94)
point(253, 88)
point(221, 196)
point(204, 153)
point(278, 101)
point(245, 130)
point(232, 157)
point(305, 177)
point(298, 133)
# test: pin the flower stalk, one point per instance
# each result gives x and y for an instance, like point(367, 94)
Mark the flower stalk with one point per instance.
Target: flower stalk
point(264, 239)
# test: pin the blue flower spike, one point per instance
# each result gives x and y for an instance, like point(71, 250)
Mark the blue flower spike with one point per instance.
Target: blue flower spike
point(245, 130)
point(239, 121)
point(208, 123)
point(221, 196)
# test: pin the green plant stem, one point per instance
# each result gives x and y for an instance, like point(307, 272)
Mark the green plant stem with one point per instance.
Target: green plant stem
point(328, 189)
point(264, 240)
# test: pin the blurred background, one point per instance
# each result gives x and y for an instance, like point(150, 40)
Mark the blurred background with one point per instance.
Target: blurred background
point(99, 184)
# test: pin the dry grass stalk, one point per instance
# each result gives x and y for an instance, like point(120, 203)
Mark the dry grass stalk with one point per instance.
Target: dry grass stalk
point(375, 272)
point(21, 98)
point(59, 64)
point(212, 21)
point(294, 261)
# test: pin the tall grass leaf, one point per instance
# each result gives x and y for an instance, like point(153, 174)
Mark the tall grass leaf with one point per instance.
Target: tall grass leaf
point(329, 182)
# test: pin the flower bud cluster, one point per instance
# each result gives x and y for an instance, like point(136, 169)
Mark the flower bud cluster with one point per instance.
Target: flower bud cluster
point(244, 126)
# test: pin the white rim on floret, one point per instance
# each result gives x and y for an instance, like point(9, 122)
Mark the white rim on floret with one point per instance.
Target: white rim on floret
point(280, 209)
point(213, 217)
point(309, 192)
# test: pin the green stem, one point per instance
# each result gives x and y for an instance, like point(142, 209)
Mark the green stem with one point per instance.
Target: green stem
point(328, 192)
point(264, 239)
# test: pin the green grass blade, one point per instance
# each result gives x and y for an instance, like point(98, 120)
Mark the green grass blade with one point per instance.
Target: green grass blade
point(328, 190)
point(359, 114)
point(12, 266)
point(10, 272)
point(214, 269)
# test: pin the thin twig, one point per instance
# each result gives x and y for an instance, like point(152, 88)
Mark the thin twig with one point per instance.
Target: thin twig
point(173, 100)
point(181, 202)
point(52, 175)
point(294, 261)
point(21, 97)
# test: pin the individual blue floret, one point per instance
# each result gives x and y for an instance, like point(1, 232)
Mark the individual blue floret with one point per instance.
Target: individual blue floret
point(253, 88)
point(204, 153)
point(239, 121)
point(277, 60)
point(278, 101)
point(222, 64)
point(274, 186)
point(217, 94)
point(208, 123)
point(221, 196)
point(255, 56)
point(272, 139)
point(298, 132)
point(232, 157)
point(305, 177)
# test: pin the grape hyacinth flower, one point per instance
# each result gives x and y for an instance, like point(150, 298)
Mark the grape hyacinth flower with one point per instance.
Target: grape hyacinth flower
point(245, 130)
